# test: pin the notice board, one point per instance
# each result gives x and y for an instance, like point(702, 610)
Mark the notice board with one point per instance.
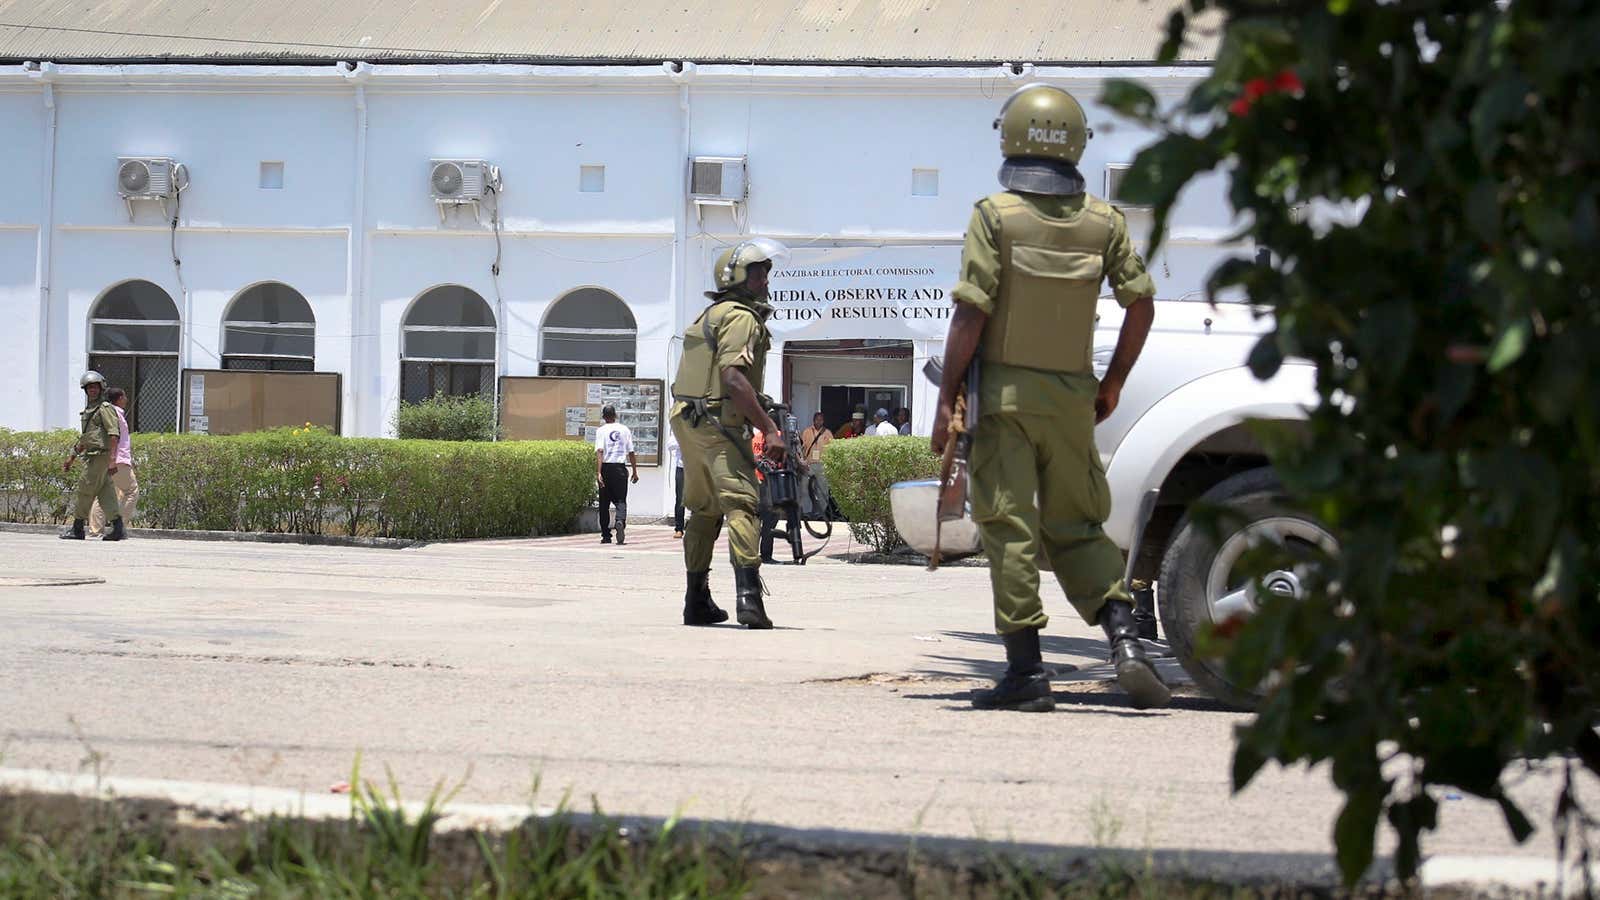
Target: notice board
point(231, 401)
point(568, 409)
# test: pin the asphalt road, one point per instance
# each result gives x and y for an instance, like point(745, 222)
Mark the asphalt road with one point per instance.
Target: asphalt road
point(562, 663)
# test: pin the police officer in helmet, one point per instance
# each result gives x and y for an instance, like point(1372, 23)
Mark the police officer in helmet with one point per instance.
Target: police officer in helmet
point(97, 445)
point(716, 403)
point(1032, 267)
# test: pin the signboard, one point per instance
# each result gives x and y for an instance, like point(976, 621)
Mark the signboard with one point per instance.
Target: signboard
point(235, 401)
point(554, 409)
point(826, 293)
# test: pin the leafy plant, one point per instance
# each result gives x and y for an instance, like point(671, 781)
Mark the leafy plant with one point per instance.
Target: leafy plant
point(307, 481)
point(1425, 176)
point(446, 418)
point(860, 472)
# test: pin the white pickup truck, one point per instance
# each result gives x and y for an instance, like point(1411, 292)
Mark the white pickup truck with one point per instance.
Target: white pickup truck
point(1179, 437)
point(1179, 433)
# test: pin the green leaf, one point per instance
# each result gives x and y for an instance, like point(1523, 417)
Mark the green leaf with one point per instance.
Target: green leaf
point(1177, 25)
point(1247, 761)
point(1160, 173)
point(1131, 99)
point(1356, 830)
point(1483, 209)
point(1511, 344)
point(1521, 828)
point(1266, 358)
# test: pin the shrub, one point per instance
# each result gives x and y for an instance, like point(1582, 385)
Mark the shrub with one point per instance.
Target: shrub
point(1452, 314)
point(306, 481)
point(859, 473)
point(445, 418)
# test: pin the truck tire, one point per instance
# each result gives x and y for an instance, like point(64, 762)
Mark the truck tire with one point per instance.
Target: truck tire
point(1199, 586)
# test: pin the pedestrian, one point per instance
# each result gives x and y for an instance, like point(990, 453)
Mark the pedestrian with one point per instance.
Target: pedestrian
point(97, 444)
point(902, 420)
point(815, 439)
point(881, 426)
point(715, 405)
point(613, 454)
point(675, 457)
point(121, 470)
point(1031, 270)
point(856, 427)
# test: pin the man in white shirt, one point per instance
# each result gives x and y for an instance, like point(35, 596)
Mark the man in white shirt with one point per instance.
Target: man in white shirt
point(613, 454)
point(675, 458)
point(881, 426)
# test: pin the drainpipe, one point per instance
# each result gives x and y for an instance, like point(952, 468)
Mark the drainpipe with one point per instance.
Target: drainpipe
point(681, 73)
point(356, 253)
point(45, 73)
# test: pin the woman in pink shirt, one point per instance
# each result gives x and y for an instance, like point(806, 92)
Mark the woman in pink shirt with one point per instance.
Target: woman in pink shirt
point(121, 470)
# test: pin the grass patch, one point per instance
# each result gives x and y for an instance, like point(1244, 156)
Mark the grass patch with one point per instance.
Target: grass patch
point(63, 846)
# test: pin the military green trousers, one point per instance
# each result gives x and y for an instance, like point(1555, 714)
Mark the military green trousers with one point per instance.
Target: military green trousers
point(719, 481)
point(1037, 485)
point(95, 484)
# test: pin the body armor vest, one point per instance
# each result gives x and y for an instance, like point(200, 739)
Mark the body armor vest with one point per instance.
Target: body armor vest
point(1050, 276)
point(698, 377)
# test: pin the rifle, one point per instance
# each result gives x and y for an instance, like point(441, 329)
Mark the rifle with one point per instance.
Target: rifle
point(953, 485)
point(782, 487)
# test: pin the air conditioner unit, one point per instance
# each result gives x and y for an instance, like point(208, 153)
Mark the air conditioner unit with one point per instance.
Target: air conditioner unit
point(461, 180)
point(717, 180)
point(158, 178)
point(1115, 173)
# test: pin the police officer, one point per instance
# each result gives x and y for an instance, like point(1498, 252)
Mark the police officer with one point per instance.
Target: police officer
point(716, 402)
point(1031, 271)
point(97, 445)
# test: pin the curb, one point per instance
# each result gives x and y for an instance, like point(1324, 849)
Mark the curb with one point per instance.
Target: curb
point(202, 807)
point(247, 537)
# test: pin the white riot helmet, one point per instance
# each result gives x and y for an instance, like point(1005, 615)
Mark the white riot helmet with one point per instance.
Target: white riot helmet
point(733, 265)
point(92, 377)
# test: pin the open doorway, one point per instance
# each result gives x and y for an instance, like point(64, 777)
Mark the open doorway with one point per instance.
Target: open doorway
point(838, 377)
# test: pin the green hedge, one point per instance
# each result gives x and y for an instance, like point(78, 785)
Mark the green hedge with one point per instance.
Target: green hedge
point(860, 471)
point(444, 418)
point(306, 481)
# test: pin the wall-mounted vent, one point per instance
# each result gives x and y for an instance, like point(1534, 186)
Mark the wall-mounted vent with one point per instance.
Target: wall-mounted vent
point(717, 179)
point(1115, 174)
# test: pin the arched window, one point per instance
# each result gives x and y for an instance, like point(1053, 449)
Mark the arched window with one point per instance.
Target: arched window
point(133, 341)
point(589, 332)
point(269, 327)
point(447, 345)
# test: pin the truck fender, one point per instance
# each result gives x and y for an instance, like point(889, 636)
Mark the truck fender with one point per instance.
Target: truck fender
point(1184, 418)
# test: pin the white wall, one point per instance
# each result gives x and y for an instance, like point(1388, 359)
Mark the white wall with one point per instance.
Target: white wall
point(831, 152)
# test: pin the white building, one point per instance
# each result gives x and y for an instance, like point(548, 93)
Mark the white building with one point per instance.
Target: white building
point(308, 237)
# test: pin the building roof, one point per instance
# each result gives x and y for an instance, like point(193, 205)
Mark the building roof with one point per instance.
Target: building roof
point(914, 32)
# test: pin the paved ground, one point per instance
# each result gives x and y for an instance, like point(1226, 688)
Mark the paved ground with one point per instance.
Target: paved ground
point(561, 660)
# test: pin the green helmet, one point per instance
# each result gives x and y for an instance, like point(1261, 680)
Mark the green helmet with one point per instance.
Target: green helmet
point(732, 267)
point(1042, 121)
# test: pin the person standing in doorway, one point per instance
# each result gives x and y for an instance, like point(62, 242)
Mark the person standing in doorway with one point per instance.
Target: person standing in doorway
point(815, 439)
point(902, 420)
point(121, 470)
point(97, 444)
point(613, 454)
point(856, 427)
point(675, 457)
point(1032, 267)
point(881, 426)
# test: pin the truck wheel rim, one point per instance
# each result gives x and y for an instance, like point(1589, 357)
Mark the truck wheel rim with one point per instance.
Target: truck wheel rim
point(1230, 594)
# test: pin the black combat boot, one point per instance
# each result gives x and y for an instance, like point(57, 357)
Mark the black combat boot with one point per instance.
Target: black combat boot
point(747, 582)
point(698, 607)
point(1135, 673)
point(75, 533)
point(116, 533)
point(1026, 685)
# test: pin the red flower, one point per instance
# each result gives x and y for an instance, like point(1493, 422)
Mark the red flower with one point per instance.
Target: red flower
point(1256, 88)
point(1288, 82)
point(1240, 107)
